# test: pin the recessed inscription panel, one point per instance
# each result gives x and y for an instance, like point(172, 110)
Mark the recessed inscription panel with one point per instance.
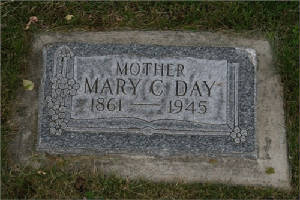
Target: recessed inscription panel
point(147, 99)
point(118, 86)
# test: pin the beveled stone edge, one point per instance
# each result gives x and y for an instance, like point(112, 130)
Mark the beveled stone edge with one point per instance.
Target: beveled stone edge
point(83, 151)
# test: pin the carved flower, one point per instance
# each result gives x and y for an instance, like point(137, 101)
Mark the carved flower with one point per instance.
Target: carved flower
point(72, 87)
point(238, 135)
point(57, 112)
point(55, 131)
point(51, 102)
point(62, 86)
point(58, 121)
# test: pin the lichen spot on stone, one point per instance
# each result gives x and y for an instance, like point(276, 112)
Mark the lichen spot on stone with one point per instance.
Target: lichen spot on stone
point(270, 170)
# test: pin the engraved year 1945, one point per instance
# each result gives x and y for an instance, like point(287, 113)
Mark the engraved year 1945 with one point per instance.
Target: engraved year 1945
point(177, 106)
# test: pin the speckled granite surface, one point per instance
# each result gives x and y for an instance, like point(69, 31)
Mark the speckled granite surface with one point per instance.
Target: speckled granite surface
point(71, 120)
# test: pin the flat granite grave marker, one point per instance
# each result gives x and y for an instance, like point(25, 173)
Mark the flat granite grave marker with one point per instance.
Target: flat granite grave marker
point(159, 100)
point(164, 106)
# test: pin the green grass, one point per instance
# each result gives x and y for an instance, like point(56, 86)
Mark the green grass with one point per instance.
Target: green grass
point(277, 21)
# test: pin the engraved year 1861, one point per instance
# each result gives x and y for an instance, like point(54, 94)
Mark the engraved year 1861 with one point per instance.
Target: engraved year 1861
point(103, 104)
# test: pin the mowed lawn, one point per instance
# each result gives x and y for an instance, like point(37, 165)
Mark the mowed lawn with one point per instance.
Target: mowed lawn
point(278, 22)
